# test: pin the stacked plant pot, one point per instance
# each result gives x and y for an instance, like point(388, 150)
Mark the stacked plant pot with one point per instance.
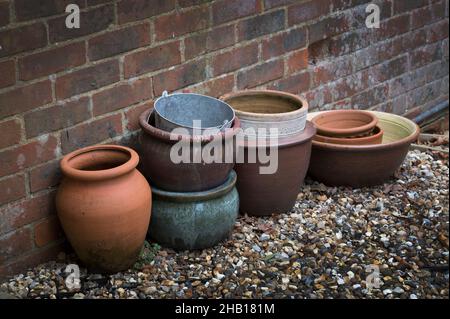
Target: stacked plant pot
point(195, 201)
point(359, 148)
point(271, 121)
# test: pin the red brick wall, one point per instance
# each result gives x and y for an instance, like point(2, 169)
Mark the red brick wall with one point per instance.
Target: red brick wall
point(62, 89)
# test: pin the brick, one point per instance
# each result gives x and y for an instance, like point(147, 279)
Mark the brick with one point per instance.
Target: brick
point(11, 133)
point(26, 211)
point(22, 39)
point(269, 4)
point(388, 70)
point(283, 43)
point(97, 2)
point(349, 86)
point(298, 61)
point(121, 96)
point(227, 10)
point(4, 13)
point(208, 41)
point(179, 23)
point(260, 74)
point(179, 77)
point(56, 117)
point(260, 25)
point(87, 79)
point(327, 28)
point(401, 6)
point(13, 188)
point(133, 113)
point(190, 3)
point(306, 11)
point(215, 87)
point(295, 84)
point(318, 97)
point(92, 21)
point(15, 244)
point(235, 59)
point(45, 176)
point(414, 39)
point(25, 98)
point(330, 71)
point(91, 133)
point(27, 155)
point(152, 59)
point(27, 10)
point(371, 97)
point(424, 94)
point(119, 41)
point(31, 259)
point(47, 231)
point(428, 15)
point(407, 82)
point(425, 55)
point(52, 61)
point(133, 10)
point(8, 73)
point(393, 27)
point(438, 31)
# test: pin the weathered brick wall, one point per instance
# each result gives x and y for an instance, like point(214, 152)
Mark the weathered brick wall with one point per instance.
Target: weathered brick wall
point(62, 89)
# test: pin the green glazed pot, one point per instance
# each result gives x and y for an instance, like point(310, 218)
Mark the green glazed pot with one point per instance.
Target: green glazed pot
point(194, 220)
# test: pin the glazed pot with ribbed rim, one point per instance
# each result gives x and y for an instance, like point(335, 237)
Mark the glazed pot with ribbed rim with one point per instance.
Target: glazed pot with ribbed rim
point(364, 165)
point(194, 220)
point(189, 176)
point(375, 137)
point(344, 123)
point(266, 109)
point(104, 206)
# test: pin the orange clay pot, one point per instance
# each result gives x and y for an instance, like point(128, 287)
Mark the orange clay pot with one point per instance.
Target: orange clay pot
point(104, 206)
point(345, 123)
point(376, 137)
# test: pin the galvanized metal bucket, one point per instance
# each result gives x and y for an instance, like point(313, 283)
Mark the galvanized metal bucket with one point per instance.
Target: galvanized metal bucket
point(185, 109)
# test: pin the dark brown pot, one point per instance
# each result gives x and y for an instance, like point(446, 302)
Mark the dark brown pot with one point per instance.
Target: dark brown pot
point(344, 123)
point(358, 166)
point(276, 193)
point(375, 138)
point(157, 167)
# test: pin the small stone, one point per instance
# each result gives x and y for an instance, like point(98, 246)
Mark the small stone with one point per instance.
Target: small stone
point(264, 237)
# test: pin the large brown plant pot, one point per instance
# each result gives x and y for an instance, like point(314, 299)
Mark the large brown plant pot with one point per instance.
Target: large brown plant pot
point(344, 123)
point(104, 205)
point(162, 172)
point(358, 166)
point(375, 138)
point(267, 194)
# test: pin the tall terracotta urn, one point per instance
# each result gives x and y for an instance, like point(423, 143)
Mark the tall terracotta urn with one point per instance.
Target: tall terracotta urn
point(104, 205)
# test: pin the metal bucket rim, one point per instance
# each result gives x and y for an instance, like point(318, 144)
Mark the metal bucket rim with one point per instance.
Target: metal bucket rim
point(192, 127)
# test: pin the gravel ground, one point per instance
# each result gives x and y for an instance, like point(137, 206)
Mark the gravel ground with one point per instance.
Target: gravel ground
point(320, 250)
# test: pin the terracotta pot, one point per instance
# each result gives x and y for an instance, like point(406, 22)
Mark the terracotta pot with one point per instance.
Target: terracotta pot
point(374, 138)
point(266, 194)
point(366, 165)
point(269, 109)
point(194, 220)
point(104, 206)
point(159, 169)
point(344, 123)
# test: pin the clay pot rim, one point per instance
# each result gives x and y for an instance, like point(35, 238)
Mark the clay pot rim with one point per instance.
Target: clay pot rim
point(375, 147)
point(272, 93)
point(355, 140)
point(187, 197)
point(98, 175)
point(166, 136)
point(328, 132)
point(286, 140)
